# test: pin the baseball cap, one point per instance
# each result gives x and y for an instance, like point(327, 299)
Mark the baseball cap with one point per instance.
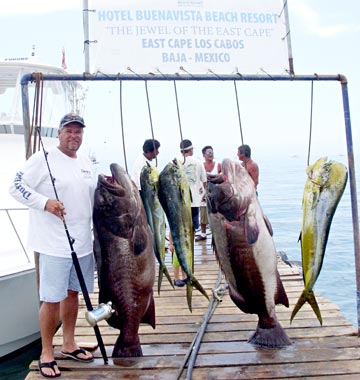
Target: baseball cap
point(71, 118)
point(185, 145)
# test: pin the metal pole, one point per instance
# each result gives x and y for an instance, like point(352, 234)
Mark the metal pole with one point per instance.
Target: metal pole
point(287, 23)
point(26, 118)
point(354, 203)
point(86, 35)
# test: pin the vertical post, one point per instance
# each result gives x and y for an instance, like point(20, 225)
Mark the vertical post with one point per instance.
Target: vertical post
point(26, 119)
point(86, 35)
point(287, 23)
point(353, 194)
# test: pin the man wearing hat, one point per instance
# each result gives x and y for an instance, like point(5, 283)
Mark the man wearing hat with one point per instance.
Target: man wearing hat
point(59, 285)
point(196, 175)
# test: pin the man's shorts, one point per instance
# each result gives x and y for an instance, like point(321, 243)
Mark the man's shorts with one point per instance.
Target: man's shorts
point(203, 215)
point(58, 275)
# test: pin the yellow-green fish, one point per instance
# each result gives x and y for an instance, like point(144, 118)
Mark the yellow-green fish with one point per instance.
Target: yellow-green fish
point(174, 195)
point(323, 190)
point(149, 180)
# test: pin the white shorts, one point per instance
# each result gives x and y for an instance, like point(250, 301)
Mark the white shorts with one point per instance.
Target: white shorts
point(58, 275)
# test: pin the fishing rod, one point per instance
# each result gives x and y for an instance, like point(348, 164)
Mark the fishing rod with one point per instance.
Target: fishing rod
point(104, 311)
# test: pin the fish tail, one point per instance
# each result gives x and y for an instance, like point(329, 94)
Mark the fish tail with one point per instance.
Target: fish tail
point(163, 269)
point(307, 296)
point(274, 337)
point(196, 284)
point(192, 282)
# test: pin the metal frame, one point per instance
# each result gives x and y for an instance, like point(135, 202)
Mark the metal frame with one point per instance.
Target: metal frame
point(28, 78)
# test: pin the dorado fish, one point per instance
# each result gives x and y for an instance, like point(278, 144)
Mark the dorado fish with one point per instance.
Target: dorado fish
point(125, 258)
point(174, 195)
point(242, 238)
point(149, 180)
point(323, 190)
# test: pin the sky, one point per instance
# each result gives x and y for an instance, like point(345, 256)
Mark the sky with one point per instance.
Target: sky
point(275, 117)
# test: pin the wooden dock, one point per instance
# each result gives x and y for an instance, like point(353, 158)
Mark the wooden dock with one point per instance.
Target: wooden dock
point(331, 351)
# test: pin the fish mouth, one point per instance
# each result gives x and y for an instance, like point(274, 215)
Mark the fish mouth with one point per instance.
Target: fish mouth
point(116, 182)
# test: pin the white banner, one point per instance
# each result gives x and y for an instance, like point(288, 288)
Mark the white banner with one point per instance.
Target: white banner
point(194, 36)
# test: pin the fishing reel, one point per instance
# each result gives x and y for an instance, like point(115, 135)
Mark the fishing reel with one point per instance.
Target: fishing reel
point(103, 311)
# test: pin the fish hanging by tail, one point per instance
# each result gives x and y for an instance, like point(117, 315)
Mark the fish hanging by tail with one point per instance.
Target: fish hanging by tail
point(323, 190)
point(149, 180)
point(174, 195)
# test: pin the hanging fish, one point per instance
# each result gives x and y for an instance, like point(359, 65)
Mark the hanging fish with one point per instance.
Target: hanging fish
point(174, 195)
point(125, 258)
point(324, 188)
point(246, 251)
point(149, 181)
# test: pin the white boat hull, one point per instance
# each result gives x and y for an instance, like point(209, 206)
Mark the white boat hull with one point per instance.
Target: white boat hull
point(19, 311)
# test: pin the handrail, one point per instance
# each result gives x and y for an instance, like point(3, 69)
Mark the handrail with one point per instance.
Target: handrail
point(6, 210)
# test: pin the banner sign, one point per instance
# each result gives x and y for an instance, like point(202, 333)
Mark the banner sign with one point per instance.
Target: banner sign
point(193, 36)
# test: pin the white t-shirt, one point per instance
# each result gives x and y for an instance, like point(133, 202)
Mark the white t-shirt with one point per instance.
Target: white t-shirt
point(139, 163)
point(196, 175)
point(213, 171)
point(75, 185)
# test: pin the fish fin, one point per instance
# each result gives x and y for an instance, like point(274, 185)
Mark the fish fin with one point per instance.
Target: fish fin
point(307, 296)
point(268, 225)
point(189, 295)
point(274, 337)
point(191, 283)
point(196, 284)
point(149, 316)
point(281, 296)
point(139, 239)
point(251, 230)
point(163, 269)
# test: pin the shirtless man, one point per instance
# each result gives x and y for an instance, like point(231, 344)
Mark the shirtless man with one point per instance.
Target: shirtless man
point(244, 154)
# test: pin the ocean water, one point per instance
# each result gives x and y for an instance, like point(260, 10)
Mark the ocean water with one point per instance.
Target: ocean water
point(280, 191)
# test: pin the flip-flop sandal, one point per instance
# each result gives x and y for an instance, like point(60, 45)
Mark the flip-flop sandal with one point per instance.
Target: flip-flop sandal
point(75, 355)
point(48, 365)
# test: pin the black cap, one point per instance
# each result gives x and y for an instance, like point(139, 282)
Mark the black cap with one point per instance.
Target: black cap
point(72, 118)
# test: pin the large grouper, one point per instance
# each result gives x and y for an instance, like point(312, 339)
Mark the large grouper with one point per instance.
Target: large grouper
point(324, 187)
point(125, 258)
point(243, 243)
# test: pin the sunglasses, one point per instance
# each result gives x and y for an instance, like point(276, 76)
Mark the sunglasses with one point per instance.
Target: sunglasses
point(209, 153)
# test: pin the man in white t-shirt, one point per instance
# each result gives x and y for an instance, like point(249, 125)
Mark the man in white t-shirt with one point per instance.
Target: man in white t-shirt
point(59, 285)
point(196, 175)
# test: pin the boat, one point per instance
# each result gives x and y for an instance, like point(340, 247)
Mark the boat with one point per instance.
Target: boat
point(18, 285)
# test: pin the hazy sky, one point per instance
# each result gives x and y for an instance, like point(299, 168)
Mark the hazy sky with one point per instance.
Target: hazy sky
point(275, 117)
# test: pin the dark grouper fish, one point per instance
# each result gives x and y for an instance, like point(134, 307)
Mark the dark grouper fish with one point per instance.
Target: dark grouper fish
point(149, 180)
point(323, 190)
point(174, 195)
point(246, 251)
point(125, 258)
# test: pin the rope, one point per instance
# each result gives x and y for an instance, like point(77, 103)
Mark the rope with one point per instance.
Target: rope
point(311, 119)
point(150, 118)
point(122, 127)
point(36, 116)
point(238, 111)
point(178, 115)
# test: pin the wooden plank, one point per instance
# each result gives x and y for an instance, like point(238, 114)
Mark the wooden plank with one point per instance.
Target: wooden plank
point(318, 352)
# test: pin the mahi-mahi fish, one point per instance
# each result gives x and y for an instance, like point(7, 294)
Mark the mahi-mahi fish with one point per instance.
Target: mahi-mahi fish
point(149, 180)
point(125, 258)
point(246, 251)
point(174, 195)
point(325, 184)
